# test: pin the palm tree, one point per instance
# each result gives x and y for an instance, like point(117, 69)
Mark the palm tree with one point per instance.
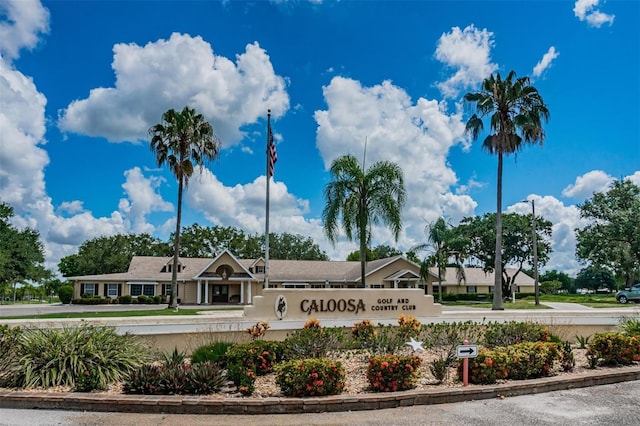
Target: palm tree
point(516, 112)
point(441, 240)
point(363, 198)
point(182, 141)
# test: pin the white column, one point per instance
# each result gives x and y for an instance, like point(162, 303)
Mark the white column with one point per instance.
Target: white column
point(248, 292)
point(395, 283)
point(242, 283)
point(206, 292)
point(198, 294)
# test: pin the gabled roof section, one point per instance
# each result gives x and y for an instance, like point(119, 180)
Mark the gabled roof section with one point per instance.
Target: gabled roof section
point(476, 276)
point(236, 263)
point(403, 274)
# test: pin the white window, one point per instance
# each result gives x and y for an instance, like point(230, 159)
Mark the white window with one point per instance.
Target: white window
point(337, 285)
point(472, 289)
point(112, 290)
point(166, 289)
point(259, 269)
point(317, 286)
point(376, 285)
point(295, 285)
point(146, 289)
point(90, 290)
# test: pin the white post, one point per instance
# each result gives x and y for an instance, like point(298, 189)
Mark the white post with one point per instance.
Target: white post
point(206, 292)
point(199, 294)
point(242, 292)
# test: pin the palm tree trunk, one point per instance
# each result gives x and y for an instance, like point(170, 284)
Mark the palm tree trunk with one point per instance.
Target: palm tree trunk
point(363, 260)
point(497, 290)
point(173, 299)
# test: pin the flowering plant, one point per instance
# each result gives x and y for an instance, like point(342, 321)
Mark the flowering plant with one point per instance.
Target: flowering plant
point(390, 373)
point(311, 377)
point(258, 330)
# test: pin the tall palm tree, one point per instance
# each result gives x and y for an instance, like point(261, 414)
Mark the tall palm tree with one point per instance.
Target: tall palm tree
point(363, 198)
point(182, 141)
point(516, 111)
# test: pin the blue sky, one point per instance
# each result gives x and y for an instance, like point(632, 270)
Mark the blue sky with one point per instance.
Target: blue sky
point(82, 82)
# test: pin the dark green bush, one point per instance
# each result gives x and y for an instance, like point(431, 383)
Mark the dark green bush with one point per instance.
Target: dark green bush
point(8, 344)
point(158, 299)
point(125, 299)
point(311, 377)
point(510, 333)
point(390, 373)
point(65, 293)
point(614, 348)
point(60, 357)
point(214, 352)
point(175, 377)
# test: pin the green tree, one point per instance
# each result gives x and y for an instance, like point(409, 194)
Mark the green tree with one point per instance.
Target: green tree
point(479, 236)
point(363, 199)
point(563, 278)
point(516, 112)
point(612, 239)
point(593, 278)
point(288, 246)
point(107, 255)
point(199, 241)
point(182, 141)
point(378, 252)
point(21, 252)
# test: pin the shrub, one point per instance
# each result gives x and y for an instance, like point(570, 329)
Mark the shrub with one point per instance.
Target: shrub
point(175, 379)
point(614, 348)
point(258, 330)
point(407, 326)
point(157, 299)
point(312, 342)
point(125, 299)
point(60, 357)
point(214, 352)
point(311, 377)
point(528, 360)
point(258, 356)
point(8, 343)
point(438, 368)
point(142, 299)
point(65, 293)
point(244, 378)
point(489, 366)
point(510, 333)
point(88, 381)
point(390, 373)
point(630, 326)
point(363, 332)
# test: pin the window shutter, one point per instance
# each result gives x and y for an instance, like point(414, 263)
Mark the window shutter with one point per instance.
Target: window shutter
point(104, 289)
point(81, 289)
point(119, 290)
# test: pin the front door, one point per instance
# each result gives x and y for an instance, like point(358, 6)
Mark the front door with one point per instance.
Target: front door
point(220, 293)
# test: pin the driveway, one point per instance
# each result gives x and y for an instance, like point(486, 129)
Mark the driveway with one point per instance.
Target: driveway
point(615, 404)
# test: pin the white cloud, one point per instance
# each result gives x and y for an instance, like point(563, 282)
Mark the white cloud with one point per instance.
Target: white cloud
point(182, 70)
point(142, 200)
point(545, 62)
point(26, 21)
point(417, 136)
point(468, 51)
point(586, 10)
point(587, 184)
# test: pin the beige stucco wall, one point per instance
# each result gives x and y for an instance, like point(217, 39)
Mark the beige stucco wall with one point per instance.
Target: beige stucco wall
point(342, 303)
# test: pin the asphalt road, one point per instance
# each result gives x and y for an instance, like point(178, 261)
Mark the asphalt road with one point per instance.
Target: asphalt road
point(600, 405)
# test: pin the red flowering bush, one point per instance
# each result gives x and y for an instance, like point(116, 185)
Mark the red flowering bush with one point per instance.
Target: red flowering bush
point(390, 373)
point(489, 366)
point(310, 377)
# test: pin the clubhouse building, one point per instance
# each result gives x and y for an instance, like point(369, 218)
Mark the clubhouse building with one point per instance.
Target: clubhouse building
point(226, 279)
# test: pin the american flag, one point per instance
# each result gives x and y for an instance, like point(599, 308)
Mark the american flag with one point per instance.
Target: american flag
point(271, 152)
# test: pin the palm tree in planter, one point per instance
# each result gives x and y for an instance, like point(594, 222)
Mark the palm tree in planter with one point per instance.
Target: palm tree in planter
point(516, 111)
point(363, 198)
point(182, 141)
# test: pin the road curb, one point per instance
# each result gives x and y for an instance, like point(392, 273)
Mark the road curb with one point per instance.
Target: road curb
point(194, 404)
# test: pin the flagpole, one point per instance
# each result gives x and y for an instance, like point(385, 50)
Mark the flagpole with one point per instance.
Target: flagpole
point(266, 221)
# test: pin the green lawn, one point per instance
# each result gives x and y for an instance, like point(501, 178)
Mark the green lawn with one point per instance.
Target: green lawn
point(520, 304)
point(113, 314)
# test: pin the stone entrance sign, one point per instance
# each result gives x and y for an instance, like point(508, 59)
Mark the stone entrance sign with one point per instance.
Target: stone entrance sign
point(298, 304)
